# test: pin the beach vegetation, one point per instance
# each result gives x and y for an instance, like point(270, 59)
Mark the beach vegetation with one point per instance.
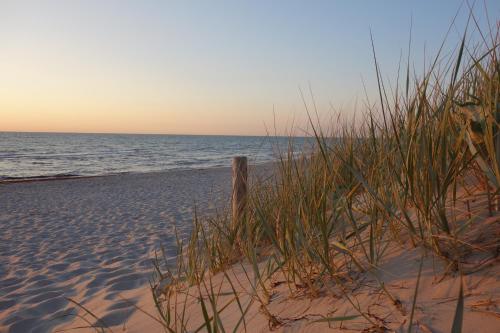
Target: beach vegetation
point(397, 175)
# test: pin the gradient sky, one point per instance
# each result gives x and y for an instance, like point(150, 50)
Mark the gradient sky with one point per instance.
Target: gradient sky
point(203, 67)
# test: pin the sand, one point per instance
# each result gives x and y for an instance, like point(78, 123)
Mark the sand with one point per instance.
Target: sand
point(300, 312)
point(92, 240)
point(292, 308)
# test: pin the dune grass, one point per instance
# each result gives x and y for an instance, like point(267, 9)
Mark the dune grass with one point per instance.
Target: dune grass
point(331, 212)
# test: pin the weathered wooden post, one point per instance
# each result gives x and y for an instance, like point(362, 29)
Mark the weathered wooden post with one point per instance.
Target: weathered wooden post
point(240, 177)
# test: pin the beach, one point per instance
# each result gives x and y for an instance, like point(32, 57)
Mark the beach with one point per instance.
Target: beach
point(216, 167)
point(92, 240)
point(77, 253)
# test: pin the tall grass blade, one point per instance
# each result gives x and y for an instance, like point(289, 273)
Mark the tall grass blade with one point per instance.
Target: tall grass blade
point(414, 303)
point(459, 311)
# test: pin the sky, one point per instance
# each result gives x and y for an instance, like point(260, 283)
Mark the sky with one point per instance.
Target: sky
point(206, 67)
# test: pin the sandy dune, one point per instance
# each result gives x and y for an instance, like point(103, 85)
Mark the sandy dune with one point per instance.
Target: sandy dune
point(92, 240)
point(291, 307)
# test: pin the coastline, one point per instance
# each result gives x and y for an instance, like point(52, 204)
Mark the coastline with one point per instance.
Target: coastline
point(29, 179)
point(348, 179)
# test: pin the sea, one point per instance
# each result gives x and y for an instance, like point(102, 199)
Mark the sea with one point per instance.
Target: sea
point(41, 155)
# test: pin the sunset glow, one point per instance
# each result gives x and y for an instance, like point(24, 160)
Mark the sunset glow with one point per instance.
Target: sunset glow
point(198, 68)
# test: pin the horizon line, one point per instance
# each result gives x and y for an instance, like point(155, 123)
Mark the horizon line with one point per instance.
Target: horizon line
point(172, 134)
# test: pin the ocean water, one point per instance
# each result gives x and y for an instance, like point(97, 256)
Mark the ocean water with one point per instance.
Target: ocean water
point(26, 155)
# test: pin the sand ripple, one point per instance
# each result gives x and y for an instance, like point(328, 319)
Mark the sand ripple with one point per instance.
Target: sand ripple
point(91, 238)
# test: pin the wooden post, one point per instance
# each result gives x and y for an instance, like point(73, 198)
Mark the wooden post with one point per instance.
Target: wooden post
point(240, 176)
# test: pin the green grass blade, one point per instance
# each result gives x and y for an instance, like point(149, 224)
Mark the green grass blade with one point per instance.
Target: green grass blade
point(414, 303)
point(459, 312)
point(331, 319)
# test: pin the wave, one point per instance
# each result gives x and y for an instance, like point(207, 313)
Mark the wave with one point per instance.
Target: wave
point(34, 156)
point(11, 179)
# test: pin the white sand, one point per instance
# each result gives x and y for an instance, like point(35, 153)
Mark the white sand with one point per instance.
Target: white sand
point(92, 240)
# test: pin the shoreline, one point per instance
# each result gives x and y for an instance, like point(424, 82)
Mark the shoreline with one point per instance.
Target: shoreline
point(31, 179)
